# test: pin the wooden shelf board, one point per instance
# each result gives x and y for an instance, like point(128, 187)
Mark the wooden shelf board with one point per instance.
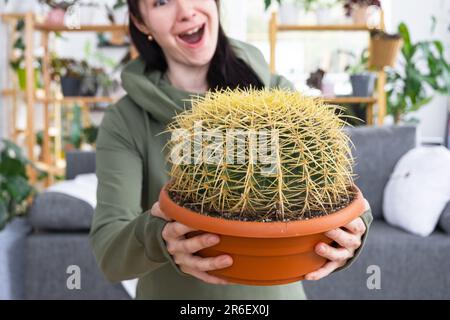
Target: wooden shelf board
point(7, 17)
point(343, 27)
point(79, 99)
point(8, 92)
point(84, 28)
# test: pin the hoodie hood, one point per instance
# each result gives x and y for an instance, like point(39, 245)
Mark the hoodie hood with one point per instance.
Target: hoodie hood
point(153, 93)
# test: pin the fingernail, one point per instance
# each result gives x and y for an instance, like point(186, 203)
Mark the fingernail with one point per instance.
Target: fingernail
point(332, 232)
point(322, 248)
point(225, 260)
point(212, 239)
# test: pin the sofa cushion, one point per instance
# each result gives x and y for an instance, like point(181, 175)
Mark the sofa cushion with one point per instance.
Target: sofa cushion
point(409, 266)
point(49, 260)
point(59, 211)
point(418, 190)
point(444, 220)
point(376, 151)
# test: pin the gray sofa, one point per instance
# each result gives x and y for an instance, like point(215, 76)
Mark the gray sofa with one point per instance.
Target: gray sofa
point(410, 267)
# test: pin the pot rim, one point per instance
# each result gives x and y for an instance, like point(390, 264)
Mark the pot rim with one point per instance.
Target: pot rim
point(254, 229)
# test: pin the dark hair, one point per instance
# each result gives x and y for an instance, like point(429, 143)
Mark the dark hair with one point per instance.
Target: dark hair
point(225, 71)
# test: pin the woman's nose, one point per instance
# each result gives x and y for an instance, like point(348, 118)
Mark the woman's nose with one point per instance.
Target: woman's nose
point(185, 10)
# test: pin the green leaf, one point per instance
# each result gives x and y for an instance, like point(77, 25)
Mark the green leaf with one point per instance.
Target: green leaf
point(76, 127)
point(404, 32)
point(4, 216)
point(9, 145)
point(12, 167)
point(19, 188)
point(20, 25)
point(439, 46)
point(119, 4)
point(420, 104)
point(433, 23)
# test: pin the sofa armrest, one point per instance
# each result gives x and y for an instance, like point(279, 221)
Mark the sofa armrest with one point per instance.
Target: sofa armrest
point(79, 162)
point(59, 211)
point(444, 220)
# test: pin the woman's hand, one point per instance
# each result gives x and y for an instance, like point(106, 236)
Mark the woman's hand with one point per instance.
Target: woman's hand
point(183, 250)
point(349, 240)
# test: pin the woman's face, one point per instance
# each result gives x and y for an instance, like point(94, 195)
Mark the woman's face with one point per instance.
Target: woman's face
point(186, 30)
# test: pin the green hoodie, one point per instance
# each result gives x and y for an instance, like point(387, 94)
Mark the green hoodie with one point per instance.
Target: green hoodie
point(131, 170)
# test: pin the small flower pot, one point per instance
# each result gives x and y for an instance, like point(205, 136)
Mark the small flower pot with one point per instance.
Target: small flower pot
point(384, 49)
point(71, 87)
point(363, 84)
point(22, 77)
point(264, 253)
point(55, 17)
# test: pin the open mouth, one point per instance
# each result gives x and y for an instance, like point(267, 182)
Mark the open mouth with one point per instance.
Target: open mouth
point(194, 36)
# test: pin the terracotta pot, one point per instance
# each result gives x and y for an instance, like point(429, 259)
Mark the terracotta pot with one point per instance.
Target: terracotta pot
point(384, 50)
point(264, 253)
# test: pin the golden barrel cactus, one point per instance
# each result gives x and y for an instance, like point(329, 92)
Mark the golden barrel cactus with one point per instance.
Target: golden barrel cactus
point(260, 155)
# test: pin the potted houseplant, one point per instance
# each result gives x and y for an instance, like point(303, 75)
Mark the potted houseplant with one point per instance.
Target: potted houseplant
point(55, 16)
point(358, 9)
point(70, 72)
point(99, 80)
point(15, 191)
point(362, 80)
point(423, 70)
point(273, 196)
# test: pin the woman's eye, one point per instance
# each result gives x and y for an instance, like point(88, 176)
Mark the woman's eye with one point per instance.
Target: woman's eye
point(160, 2)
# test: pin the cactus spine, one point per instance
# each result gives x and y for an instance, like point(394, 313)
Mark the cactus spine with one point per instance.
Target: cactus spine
point(219, 167)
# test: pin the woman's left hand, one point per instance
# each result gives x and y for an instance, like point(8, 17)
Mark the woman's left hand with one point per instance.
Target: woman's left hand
point(348, 238)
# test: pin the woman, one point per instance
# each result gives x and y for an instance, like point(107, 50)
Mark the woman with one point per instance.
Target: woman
point(183, 51)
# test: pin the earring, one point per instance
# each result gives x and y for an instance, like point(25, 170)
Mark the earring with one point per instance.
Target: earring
point(150, 38)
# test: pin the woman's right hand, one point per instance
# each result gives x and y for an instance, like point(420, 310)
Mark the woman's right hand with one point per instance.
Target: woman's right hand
point(183, 250)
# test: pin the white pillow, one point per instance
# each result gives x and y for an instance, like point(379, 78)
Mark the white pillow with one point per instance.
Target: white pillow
point(418, 190)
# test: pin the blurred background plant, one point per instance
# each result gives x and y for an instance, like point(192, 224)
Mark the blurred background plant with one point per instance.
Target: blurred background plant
point(17, 62)
point(64, 5)
point(351, 5)
point(15, 188)
point(422, 72)
point(360, 61)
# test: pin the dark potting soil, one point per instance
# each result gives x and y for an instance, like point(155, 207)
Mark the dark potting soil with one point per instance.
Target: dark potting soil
point(263, 216)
